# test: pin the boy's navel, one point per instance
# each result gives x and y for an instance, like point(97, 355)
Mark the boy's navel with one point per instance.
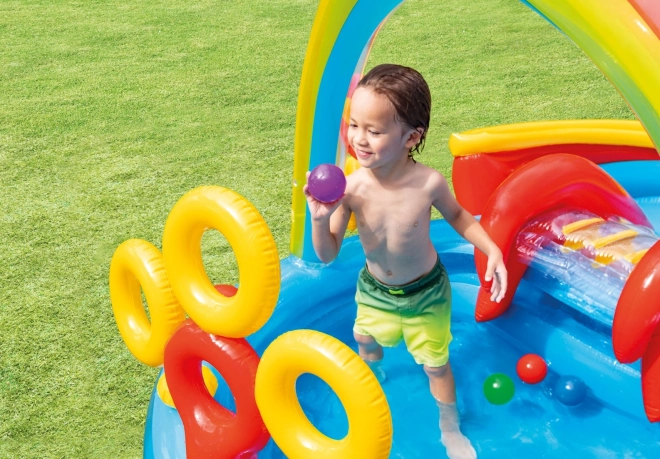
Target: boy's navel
point(416, 223)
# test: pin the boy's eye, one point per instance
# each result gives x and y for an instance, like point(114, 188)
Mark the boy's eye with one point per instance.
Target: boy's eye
point(374, 132)
point(352, 125)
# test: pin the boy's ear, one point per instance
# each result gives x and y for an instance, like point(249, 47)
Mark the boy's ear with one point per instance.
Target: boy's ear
point(414, 137)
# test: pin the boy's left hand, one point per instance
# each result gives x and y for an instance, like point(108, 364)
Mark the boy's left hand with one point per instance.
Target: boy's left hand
point(496, 271)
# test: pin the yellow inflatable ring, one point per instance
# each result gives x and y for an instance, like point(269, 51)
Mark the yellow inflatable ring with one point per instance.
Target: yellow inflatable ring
point(306, 351)
point(214, 207)
point(138, 263)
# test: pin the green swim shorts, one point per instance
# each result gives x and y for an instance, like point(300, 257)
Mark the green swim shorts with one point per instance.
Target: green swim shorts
point(419, 313)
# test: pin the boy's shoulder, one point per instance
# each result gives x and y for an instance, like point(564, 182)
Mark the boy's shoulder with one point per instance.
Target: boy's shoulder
point(432, 178)
point(418, 173)
point(355, 177)
point(423, 169)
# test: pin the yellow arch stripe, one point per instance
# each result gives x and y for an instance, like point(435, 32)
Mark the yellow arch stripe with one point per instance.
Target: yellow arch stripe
point(329, 20)
point(510, 137)
point(618, 39)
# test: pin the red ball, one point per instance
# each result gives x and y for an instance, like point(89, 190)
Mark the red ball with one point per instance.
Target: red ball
point(531, 368)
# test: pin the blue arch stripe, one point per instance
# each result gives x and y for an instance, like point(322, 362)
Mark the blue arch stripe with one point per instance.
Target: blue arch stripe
point(362, 22)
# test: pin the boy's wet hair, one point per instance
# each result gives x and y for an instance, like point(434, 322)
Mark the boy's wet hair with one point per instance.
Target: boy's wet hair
point(408, 92)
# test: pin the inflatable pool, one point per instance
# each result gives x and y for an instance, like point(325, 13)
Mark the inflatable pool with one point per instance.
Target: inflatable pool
point(543, 319)
point(575, 208)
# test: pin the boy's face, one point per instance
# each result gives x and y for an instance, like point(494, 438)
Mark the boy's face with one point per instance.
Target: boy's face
point(374, 133)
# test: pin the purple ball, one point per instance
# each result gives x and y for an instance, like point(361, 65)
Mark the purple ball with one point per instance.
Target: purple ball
point(326, 183)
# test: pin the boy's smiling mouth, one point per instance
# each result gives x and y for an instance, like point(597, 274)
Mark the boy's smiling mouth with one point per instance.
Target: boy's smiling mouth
point(362, 153)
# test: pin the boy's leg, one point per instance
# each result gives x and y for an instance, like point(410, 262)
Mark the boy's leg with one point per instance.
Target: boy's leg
point(368, 348)
point(441, 381)
point(372, 353)
point(373, 327)
point(443, 389)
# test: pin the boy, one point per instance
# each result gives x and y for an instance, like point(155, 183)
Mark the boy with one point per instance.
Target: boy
point(403, 292)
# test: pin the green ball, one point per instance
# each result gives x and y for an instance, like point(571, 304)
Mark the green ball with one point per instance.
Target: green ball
point(498, 389)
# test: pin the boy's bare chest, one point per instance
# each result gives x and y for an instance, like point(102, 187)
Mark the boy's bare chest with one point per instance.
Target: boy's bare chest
point(393, 215)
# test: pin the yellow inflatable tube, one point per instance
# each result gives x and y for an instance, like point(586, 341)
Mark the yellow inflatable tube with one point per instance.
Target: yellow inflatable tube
point(218, 208)
point(136, 264)
point(519, 136)
point(306, 351)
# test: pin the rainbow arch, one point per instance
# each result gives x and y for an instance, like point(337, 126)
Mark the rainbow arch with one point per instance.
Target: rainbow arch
point(622, 37)
point(340, 40)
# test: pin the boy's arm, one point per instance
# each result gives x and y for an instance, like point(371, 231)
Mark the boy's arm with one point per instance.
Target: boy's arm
point(329, 222)
point(468, 227)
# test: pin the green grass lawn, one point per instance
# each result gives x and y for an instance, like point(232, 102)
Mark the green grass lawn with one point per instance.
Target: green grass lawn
point(110, 111)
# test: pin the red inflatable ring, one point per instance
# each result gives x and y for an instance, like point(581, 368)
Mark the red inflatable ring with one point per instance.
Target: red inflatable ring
point(211, 430)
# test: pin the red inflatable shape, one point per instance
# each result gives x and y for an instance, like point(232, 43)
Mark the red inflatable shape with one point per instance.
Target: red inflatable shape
point(343, 126)
point(226, 289)
point(635, 331)
point(343, 132)
point(548, 183)
point(212, 431)
point(531, 369)
point(475, 177)
point(649, 10)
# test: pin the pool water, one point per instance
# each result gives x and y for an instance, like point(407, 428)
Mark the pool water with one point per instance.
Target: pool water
point(533, 424)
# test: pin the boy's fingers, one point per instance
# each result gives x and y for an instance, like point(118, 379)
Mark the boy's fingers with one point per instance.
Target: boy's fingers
point(502, 281)
point(494, 286)
point(504, 286)
point(333, 203)
point(495, 293)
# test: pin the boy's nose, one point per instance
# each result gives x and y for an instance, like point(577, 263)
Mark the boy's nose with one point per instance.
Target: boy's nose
point(359, 138)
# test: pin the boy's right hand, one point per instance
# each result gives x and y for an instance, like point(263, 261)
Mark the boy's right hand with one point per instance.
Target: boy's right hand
point(320, 210)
